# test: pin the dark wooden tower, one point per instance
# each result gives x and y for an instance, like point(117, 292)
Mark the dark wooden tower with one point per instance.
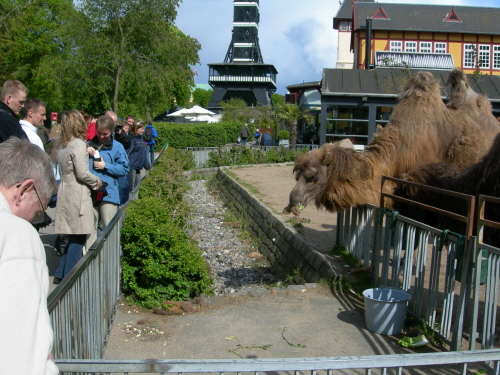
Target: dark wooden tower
point(243, 73)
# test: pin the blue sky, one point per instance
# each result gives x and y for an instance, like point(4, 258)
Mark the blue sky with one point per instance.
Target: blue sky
point(296, 36)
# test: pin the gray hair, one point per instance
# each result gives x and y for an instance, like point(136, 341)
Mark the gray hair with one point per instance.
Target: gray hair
point(21, 160)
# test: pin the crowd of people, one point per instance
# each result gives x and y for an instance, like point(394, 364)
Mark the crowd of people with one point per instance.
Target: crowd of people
point(85, 167)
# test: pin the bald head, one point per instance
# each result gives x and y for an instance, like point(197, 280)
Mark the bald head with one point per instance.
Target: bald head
point(112, 115)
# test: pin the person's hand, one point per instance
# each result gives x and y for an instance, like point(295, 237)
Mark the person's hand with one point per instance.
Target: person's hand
point(98, 165)
point(91, 150)
point(99, 184)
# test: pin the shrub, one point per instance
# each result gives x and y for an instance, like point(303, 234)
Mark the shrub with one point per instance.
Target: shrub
point(160, 261)
point(245, 156)
point(283, 134)
point(180, 136)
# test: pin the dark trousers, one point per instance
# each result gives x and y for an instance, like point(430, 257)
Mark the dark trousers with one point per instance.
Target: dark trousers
point(72, 250)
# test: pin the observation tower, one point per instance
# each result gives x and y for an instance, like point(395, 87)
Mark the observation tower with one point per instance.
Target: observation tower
point(243, 73)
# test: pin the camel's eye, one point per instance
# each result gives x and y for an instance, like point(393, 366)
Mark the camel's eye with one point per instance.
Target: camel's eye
point(312, 178)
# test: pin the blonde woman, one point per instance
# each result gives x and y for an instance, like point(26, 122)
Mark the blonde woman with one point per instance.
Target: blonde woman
point(74, 212)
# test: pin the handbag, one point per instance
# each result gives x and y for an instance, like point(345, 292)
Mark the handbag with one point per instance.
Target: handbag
point(99, 194)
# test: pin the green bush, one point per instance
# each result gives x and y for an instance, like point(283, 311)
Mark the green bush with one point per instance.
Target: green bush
point(180, 136)
point(249, 155)
point(283, 134)
point(160, 261)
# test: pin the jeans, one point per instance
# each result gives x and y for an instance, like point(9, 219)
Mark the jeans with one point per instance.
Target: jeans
point(151, 149)
point(72, 255)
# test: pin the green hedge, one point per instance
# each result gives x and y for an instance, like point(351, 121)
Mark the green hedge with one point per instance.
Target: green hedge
point(181, 135)
point(160, 261)
point(249, 155)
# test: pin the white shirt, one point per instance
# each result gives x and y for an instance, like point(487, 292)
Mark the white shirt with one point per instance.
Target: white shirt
point(25, 331)
point(31, 133)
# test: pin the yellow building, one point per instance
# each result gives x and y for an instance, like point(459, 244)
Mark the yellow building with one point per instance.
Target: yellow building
point(418, 36)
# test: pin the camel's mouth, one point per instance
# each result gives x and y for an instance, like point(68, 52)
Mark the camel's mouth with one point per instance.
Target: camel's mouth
point(294, 209)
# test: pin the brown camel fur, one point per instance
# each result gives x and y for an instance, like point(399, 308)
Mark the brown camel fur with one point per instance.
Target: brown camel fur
point(422, 130)
point(481, 178)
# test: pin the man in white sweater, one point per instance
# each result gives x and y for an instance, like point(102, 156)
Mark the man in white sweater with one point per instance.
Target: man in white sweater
point(33, 112)
point(26, 184)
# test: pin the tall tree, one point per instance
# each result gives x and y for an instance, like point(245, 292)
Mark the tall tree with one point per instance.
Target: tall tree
point(135, 54)
point(29, 30)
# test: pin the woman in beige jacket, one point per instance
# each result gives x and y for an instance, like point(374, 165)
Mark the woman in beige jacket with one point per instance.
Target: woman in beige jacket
point(74, 212)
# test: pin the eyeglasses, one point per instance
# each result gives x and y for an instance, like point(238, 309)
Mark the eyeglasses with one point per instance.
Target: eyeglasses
point(41, 215)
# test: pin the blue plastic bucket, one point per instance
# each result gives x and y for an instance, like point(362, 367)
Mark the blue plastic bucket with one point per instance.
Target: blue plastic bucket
point(385, 310)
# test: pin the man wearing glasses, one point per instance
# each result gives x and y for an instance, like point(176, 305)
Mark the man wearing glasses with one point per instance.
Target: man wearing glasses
point(12, 97)
point(26, 184)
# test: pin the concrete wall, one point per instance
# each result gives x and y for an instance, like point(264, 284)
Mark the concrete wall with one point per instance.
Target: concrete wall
point(284, 248)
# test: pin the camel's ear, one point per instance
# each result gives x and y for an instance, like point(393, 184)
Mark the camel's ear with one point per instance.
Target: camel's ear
point(345, 143)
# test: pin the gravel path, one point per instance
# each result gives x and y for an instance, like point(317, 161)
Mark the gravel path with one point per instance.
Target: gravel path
point(234, 263)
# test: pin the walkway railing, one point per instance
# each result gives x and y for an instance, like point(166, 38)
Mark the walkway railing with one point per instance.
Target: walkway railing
point(435, 266)
point(426, 363)
point(83, 305)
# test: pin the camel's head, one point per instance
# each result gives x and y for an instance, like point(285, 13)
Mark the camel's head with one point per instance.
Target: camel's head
point(311, 175)
point(463, 96)
point(419, 84)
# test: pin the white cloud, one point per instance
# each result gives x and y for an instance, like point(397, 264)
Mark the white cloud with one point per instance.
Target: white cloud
point(296, 36)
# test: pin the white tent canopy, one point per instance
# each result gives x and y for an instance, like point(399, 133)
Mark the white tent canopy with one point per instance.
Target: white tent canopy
point(191, 112)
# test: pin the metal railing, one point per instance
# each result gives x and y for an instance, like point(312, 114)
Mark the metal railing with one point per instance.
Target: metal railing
point(486, 279)
point(83, 305)
point(425, 363)
point(435, 265)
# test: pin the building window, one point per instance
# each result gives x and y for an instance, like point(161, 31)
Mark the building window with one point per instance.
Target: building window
point(484, 56)
point(344, 121)
point(345, 25)
point(439, 47)
point(496, 57)
point(469, 55)
point(396, 46)
point(410, 46)
point(425, 47)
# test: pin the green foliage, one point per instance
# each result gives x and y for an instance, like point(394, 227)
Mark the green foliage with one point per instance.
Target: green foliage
point(202, 97)
point(97, 55)
point(160, 261)
point(278, 99)
point(290, 114)
point(284, 134)
point(197, 135)
point(248, 155)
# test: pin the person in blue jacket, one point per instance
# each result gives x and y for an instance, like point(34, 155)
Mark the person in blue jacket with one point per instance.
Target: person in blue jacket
point(111, 164)
point(150, 134)
point(138, 156)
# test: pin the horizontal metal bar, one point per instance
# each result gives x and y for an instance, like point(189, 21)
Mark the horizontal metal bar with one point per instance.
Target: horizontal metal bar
point(280, 364)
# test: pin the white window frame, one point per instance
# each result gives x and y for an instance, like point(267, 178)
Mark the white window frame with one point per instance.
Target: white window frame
point(440, 47)
point(484, 52)
point(495, 62)
point(396, 46)
point(410, 46)
point(469, 56)
point(426, 47)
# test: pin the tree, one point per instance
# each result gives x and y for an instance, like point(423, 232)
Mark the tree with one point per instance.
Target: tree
point(134, 54)
point(278, 99)
point(29, 31)
point(202, 97)
point(291, 114)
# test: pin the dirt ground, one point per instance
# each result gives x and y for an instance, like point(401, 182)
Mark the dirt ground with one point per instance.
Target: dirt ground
point(272, 185)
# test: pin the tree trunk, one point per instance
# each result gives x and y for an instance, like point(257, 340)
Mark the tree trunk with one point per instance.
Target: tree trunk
point(293, 134)
point(115, 88)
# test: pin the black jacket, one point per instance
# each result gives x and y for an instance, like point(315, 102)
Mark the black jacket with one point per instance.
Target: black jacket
point(9, 124)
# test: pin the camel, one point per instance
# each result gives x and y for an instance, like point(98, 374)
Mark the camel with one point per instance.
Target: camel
point(421, 130)
point(480, 178)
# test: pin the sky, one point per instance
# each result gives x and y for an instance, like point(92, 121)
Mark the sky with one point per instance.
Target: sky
point(296, 36)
